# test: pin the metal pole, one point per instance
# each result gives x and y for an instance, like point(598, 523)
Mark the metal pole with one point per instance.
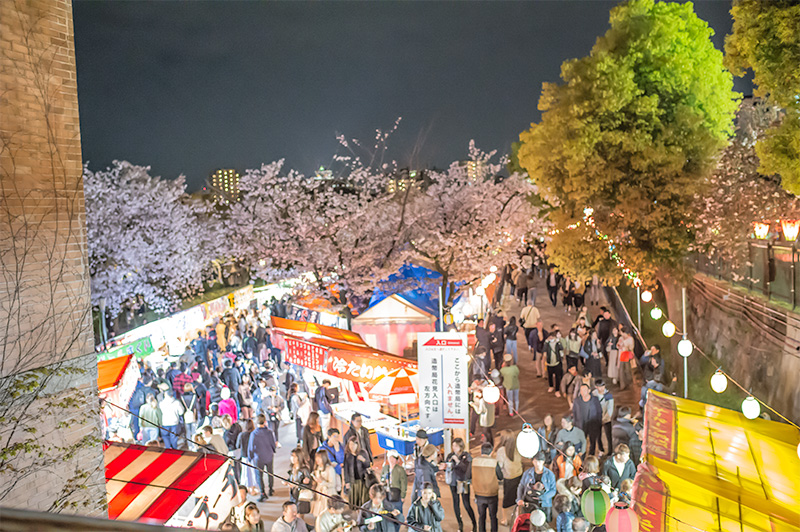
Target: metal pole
point(441, 310)
point(685, 359)
point(639, 308)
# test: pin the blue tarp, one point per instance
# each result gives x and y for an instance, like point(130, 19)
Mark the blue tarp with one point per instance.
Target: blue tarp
point(416, 284)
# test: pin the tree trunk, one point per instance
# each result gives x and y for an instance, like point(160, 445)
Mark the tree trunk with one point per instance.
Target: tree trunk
point(674, 311)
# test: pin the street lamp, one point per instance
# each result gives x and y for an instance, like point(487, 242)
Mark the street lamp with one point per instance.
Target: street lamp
point(761, 230)
point(790, 229)
point(647, 296)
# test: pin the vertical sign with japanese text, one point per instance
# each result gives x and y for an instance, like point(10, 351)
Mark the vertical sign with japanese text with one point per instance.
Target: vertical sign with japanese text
point(443, 379)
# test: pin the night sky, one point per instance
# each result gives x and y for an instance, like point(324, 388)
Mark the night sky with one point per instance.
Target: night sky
point(190, 87)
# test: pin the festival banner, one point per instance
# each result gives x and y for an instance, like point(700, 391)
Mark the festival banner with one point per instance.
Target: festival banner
point(443, 379)
point(660, 428)
point(363, 366)
point(306, 354)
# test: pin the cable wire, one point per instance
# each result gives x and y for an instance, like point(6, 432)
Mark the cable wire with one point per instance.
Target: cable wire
point(211, 450)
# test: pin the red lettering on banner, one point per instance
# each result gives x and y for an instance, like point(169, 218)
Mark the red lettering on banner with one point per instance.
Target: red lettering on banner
point(653, 496)
point(306, 354)
point(363, 368)
point(660, 431)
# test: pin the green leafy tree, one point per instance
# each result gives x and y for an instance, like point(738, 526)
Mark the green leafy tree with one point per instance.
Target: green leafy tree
point(766, 39)
point(633, 132)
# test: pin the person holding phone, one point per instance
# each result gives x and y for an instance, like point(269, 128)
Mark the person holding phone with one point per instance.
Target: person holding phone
point(426, 512)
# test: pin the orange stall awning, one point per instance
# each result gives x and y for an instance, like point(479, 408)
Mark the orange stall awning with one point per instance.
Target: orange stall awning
point(109, 372)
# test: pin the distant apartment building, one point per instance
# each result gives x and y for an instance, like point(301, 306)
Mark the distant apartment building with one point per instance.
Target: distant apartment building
point(224, 185)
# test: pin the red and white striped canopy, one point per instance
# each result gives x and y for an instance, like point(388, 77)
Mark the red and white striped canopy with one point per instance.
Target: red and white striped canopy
point(400, 385)
point(150, 484)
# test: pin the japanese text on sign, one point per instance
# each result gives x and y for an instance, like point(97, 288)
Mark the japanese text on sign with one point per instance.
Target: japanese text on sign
point(443, 362)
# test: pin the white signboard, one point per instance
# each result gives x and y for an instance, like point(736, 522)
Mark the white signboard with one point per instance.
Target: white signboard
point(443, 366)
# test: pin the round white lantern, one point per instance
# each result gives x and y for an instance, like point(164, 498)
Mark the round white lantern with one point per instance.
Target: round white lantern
point(538, 518)
point(647, 296)
point(685, 347)
point(492, 269)
point(668, 329)
point(527, 441)
point(491, 394)
point(719, 382)
point(656, 313)
point(751, 408)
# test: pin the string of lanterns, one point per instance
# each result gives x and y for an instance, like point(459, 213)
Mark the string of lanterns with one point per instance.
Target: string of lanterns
point(595, 503)
point(588, 218)
point(751, 405)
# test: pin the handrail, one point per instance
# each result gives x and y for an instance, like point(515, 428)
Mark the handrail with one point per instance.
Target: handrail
point(630, 319)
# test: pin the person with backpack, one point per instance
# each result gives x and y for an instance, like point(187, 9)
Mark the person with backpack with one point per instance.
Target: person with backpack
point(486, 473)
point(538, 486)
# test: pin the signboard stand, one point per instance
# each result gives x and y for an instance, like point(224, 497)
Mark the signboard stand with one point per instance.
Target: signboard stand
point(443, 365)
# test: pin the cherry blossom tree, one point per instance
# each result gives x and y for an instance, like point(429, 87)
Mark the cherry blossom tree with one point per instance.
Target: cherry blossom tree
point(468, 218)
point(145, 238)
point(738, 195)
point(342, 232)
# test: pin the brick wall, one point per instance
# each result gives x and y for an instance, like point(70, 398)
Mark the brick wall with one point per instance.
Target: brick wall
point(48, 389)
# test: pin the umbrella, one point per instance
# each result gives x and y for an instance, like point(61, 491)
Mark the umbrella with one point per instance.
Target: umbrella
point(400, 385)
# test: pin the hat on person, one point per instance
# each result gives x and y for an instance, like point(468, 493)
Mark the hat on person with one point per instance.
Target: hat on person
point(508, 357)
point(422, 434)
point(429, 450)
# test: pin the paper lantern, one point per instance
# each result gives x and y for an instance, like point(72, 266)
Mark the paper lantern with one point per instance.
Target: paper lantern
point(647, 296)
point(493, 269)
point(751, 408)
point(595, 504)
point(481, 291)
point(656, 313)
point(761, 230)
point(790, 229)
point(719, 382)
point(491, 394)
point(527, 441)
point(668, 329)
point(538, 518)
point(685, 348)
point(621, 518)
point(798, 450)
point(225, 393)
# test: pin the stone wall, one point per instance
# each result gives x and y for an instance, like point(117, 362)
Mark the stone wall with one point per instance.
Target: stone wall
point(51, 457)
point(757, 343)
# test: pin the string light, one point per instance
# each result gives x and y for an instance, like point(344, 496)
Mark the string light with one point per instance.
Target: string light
point(647, 296)
point(751, 408)
point(685, 347)
point(668, 329)
point(656, 313)
point(588, 218)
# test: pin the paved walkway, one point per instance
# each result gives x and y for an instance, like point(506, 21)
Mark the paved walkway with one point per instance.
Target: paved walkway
point(535, 403)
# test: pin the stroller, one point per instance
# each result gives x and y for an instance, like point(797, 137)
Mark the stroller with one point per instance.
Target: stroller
point(530, 503)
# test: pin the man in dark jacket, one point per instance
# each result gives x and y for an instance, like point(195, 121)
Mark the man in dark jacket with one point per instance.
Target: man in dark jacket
point(604, 323)
point(231, 377)
point(622, 430)
point(620, 466)
point(481, 335)
point(588, 415)
point(250, 345)
point(137, 400)
point(261, 451)
point(360, 432)
point(497, 344)
point(426, 511)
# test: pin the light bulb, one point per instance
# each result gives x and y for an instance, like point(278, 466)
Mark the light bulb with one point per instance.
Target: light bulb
point(527, 442)
point(668, 329)
point(656, 313)
point(647, 296)
point(685, 346)
point(491, 394)
point(751, 408)
point(719, 382)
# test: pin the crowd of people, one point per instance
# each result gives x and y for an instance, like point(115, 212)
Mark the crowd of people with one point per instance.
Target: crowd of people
point(231, 393)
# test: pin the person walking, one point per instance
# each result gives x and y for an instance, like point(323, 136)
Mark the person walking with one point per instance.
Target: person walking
point(485, 412)
point(510, 334)
point(261, 452)
point(497, 344)
point(335, 449)
point(510, 373)
point(485, 473)
point(377, 506)
point(150, 415)
point(620, 466)
point(528, 317)
point(395, 479)
point(300, 477)
point(612, 348)
point(249, 476)
point(588, 416)
point(625, 346)
point(553, 352)
point(171, 418)
point(272, 405)
point(324, 477)
point(426, 512)
point(356, 464)
point(553, 280)
point(312, 435)
point(425, 470)
point(300, 406)
point(458, 465)
point(510, 462)
point(358, 430)
point(540, 480)
point(323, 405)
point(607, 405)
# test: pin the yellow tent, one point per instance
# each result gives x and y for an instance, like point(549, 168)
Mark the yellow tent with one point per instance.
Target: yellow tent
point(709, 468)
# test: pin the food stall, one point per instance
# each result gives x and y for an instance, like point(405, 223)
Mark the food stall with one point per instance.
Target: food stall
point(116, 381)
point(349, 362)
point(708, 468)
point(168, 487)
